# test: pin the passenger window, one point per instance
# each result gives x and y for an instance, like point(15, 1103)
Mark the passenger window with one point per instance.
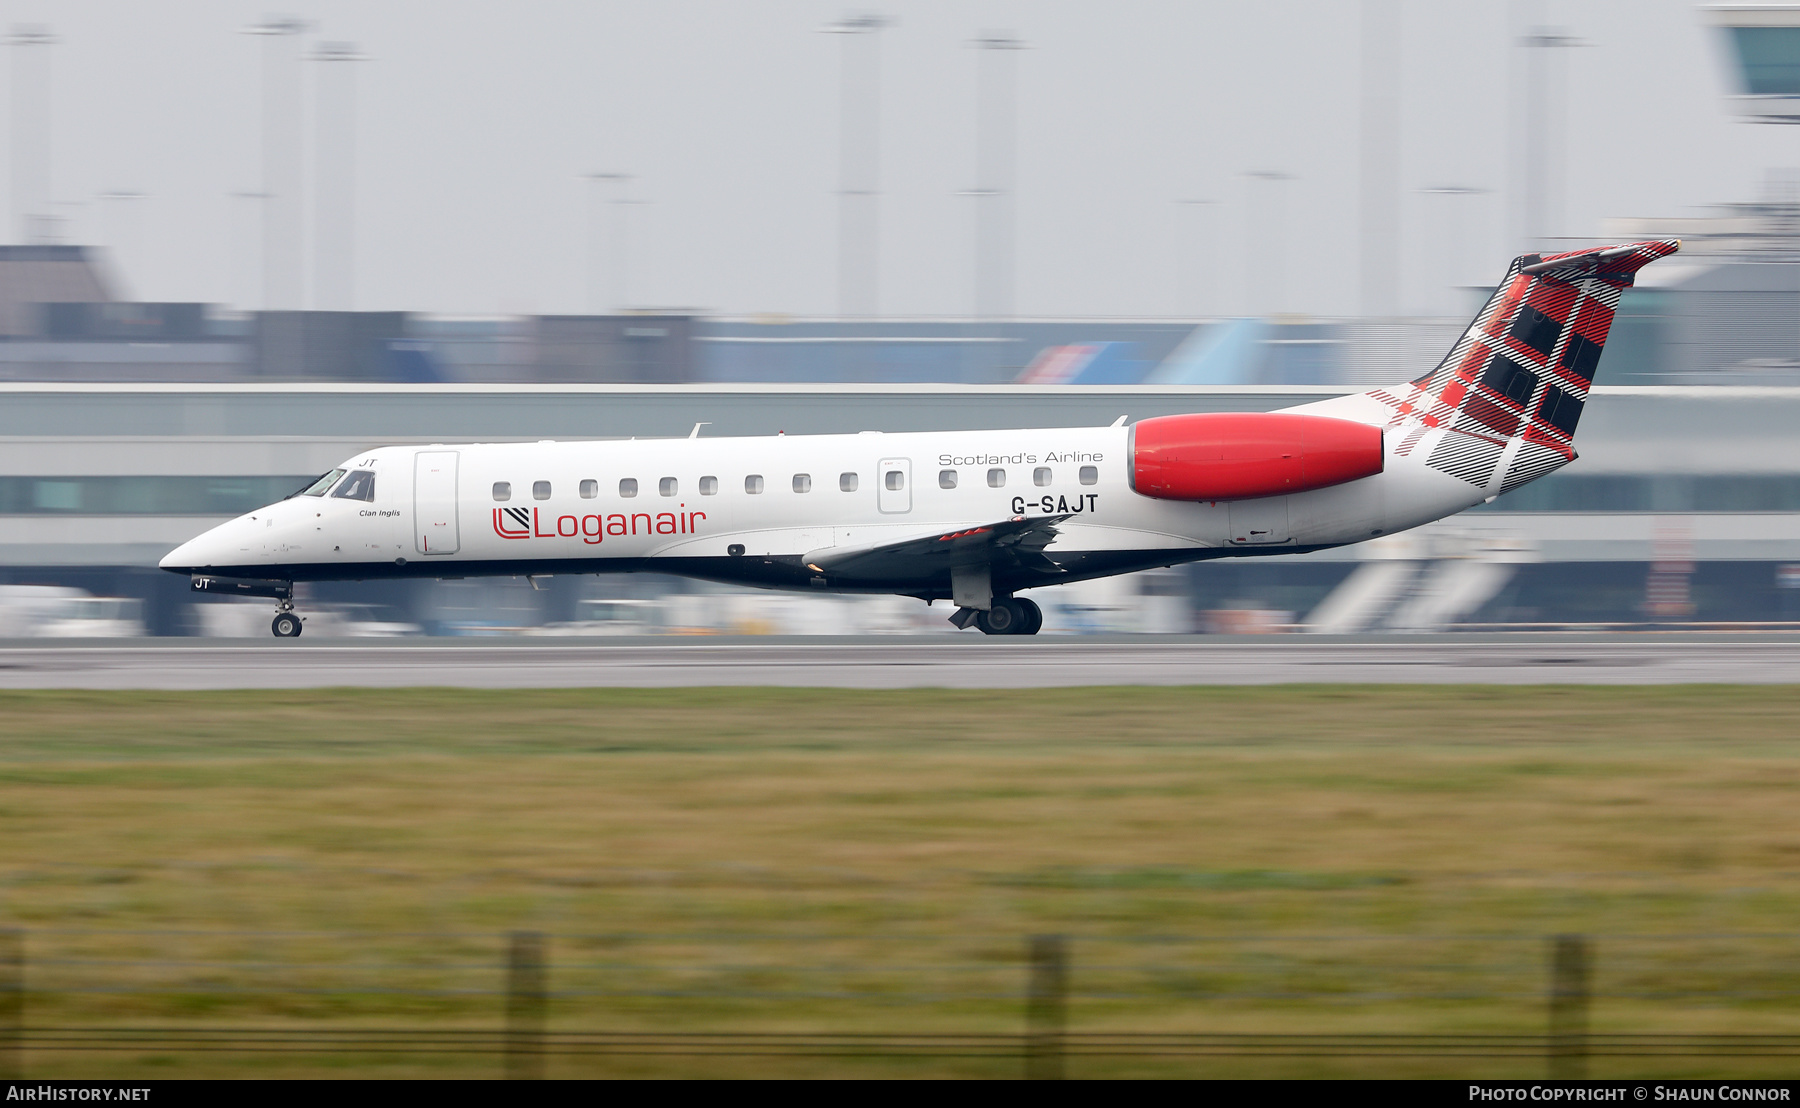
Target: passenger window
point(1090, 475)
point(1041, 477)
point(753, 484)
point(360, 485)
point(502, 491)
point(540, 490)
point(666, 486)
point(317, 488)
point(946, 478)
point(628, 486)
point(802, 482)
point(709, 486)
point(846, 482)
point(590, 488)
point(996, 478)
point(896, 480)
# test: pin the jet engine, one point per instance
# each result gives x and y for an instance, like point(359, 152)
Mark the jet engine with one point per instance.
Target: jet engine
point(1245, 455)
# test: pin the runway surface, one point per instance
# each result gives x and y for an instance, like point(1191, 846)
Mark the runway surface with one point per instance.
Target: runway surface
point(960, 662)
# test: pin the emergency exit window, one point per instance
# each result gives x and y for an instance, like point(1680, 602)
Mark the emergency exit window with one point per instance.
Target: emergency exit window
point(589, 488)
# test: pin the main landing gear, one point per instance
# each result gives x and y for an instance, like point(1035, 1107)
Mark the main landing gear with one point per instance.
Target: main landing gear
point(286, 624)
point(1011, 616)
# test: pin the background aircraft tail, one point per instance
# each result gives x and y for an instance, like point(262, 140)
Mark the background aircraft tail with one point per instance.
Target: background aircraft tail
point(1511, 390)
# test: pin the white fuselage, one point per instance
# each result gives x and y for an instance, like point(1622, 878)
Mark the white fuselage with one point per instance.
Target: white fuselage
point(754, 509)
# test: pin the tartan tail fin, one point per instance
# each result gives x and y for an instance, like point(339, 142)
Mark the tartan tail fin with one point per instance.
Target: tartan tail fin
point(1510, 393)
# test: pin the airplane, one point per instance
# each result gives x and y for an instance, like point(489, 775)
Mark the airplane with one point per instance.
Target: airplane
point(972, 517)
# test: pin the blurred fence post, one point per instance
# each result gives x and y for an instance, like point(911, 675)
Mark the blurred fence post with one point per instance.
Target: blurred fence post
point(525, 989)
point(1046, 999)
point(12, 1004)
point(1568, 1007)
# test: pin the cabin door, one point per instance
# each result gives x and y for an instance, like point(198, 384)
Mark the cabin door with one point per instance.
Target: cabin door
point(434, 502)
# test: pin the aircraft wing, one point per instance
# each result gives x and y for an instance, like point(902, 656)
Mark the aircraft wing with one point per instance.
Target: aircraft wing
point(1016, 542)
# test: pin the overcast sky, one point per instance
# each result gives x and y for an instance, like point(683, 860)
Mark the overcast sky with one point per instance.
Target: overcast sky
point(476, 120)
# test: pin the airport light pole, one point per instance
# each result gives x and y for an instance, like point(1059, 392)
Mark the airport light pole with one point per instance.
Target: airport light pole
point(282, 169)
point(1380, 185)
point(334, 190)
point(1189, 269)
point(859, 164)
point(1272, 253)
point(113, 237)
point(243, 238)
point(1453, 249)
point(994, 166)
point(599, 183)
point(1544, 150)
point(32, 218)
point(65, 228)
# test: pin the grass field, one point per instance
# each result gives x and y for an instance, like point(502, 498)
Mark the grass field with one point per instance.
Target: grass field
point(1355, 859)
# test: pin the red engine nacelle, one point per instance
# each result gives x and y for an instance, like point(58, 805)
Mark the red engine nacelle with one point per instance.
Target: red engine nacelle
point(1244, 455)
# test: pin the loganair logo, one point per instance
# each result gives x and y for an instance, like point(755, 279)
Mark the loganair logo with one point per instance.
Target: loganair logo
point(593, 529)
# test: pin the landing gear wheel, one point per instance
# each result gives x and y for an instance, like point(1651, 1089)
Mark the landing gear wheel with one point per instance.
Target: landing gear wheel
point(1034, 617)
point(286, 626)
point(1007, 617)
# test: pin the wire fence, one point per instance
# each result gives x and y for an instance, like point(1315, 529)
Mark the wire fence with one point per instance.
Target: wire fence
point(526, 996)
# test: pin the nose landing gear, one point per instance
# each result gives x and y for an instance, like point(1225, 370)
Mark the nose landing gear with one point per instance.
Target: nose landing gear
point(286, 624)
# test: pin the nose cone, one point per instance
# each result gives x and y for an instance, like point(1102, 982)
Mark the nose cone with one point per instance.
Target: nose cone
point(201, 552)
point(180, 559)
point(184, 558)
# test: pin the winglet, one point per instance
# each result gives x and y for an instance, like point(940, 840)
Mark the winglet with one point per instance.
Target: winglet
point(1120, 422)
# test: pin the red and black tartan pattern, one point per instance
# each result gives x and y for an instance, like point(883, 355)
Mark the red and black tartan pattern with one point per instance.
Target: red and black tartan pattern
point(1521, 372)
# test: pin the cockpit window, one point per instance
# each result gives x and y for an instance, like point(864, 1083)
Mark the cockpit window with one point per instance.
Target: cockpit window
point(317, 488)
point(360, 485)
